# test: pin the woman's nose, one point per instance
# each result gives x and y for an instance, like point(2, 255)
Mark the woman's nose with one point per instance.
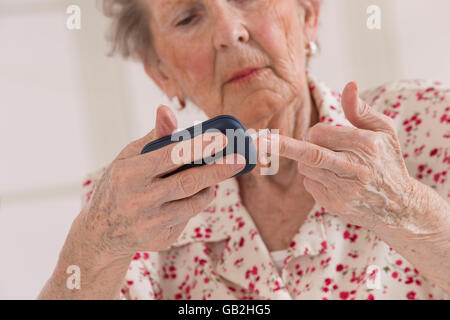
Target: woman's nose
point(229, 30)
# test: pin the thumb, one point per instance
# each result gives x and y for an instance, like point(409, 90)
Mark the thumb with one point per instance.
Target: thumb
point(362, 115)
point(166, 122)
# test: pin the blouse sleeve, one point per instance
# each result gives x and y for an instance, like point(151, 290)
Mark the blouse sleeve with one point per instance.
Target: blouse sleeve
point(142, 278)
point(421, 111)
point(142, 281)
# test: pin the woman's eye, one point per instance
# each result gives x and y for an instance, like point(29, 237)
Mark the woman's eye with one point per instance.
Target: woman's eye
point(244, 1)
point(186, 21)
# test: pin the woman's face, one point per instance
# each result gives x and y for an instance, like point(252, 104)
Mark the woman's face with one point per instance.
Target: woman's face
point(240, 57)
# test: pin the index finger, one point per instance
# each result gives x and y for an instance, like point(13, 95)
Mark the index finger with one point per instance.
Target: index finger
point(307, 153)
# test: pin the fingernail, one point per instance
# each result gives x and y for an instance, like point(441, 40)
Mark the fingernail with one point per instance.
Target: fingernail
point(264, 160)
point(267, 141)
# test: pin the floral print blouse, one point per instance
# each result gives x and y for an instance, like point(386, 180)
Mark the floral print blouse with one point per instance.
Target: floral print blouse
point(220, 254)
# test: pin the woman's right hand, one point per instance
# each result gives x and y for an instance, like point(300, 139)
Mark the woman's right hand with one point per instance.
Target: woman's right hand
point(134, 209)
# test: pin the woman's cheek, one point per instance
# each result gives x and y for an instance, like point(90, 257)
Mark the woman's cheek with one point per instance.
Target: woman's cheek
point(267, 34)
point(194, 62)
point(195, 66)
point(277, 34)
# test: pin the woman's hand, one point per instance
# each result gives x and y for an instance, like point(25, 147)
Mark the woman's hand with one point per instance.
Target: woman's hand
point(359, 175)
point(133, 208)
point(356, 173)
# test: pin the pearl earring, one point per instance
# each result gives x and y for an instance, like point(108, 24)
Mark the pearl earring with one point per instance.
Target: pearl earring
point(311, 49)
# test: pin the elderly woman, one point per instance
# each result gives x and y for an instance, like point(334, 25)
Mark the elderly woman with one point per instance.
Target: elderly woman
point(358, 209)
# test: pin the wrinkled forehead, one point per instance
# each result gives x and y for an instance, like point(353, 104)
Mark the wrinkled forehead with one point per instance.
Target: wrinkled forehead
point(161, 5)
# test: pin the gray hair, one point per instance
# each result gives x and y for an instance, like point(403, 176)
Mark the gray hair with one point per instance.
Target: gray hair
point(130, 33)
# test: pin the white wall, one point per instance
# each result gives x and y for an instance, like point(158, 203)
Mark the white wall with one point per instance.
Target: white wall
point(414, 42)
point(66, 109)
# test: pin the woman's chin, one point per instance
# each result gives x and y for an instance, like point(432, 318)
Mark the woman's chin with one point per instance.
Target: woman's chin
point(256, 109)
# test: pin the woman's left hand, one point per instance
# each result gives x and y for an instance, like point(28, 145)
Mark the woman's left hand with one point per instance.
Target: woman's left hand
point(357, 173)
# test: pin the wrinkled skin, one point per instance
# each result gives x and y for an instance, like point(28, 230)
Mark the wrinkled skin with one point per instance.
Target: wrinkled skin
point(218, 38)
point(134, 208)
point(197, 47)
point(359, 174)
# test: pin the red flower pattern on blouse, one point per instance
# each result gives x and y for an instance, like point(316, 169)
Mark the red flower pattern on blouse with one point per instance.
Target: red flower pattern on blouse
point(220, 254)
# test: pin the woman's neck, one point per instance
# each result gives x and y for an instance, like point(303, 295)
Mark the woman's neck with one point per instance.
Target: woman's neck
point(292, 121)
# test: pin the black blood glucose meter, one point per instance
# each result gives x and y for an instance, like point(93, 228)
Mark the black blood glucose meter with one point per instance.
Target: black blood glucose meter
point(238, 141)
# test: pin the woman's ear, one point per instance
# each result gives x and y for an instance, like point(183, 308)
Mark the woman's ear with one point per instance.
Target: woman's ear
point(311, 16)
point(154, 69)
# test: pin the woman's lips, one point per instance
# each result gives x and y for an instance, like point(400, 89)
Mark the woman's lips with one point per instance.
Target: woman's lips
point(245, 75)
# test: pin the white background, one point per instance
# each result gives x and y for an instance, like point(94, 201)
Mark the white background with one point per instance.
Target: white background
point(67, 109)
